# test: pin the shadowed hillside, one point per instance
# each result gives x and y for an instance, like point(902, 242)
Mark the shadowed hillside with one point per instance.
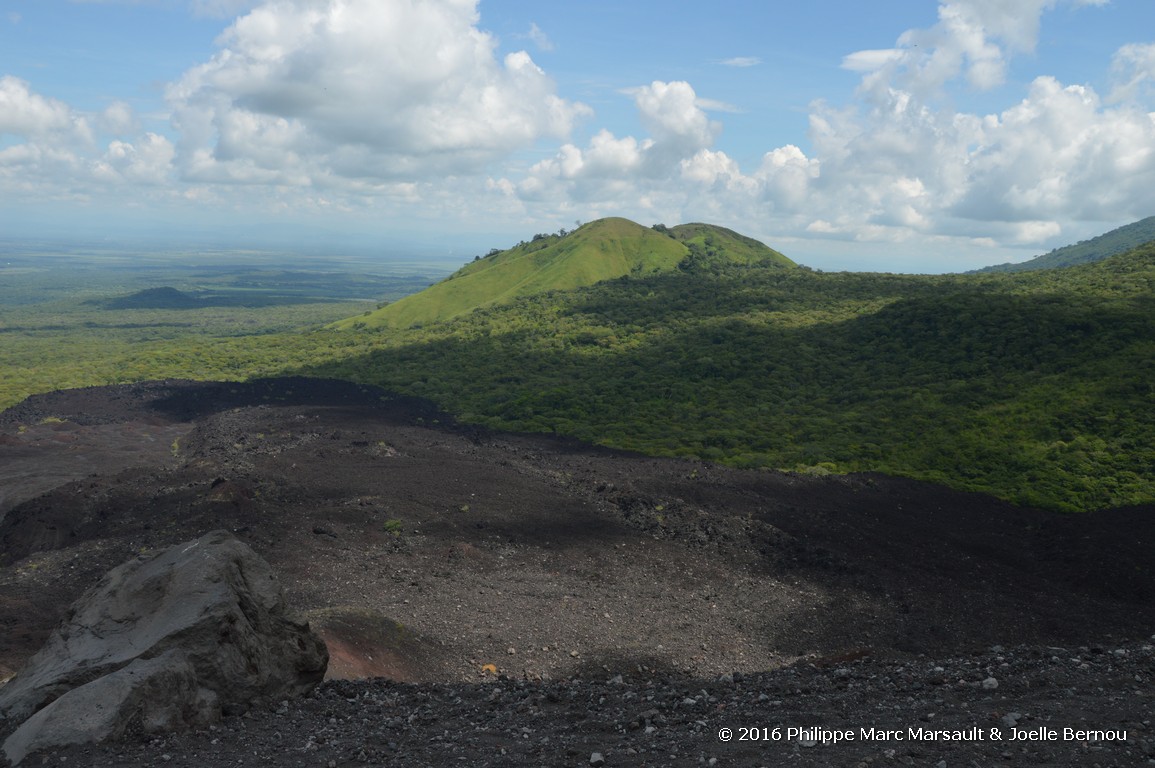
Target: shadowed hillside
point(712, 243)
point(1035, 387)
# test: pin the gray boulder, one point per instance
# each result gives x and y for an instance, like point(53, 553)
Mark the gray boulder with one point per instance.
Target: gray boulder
point(163, 642)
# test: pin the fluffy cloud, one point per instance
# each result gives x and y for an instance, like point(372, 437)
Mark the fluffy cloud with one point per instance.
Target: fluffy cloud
point(30, 115)
point(41, 143)
point(895, 164)
point(1060, 154)
point(906, 165)
point(52, 151)
point(348, 92)
point(375, 108)
point(610, 167)
point(973, 39)
point(118, 119)
point(148, 161)
point(678, 125)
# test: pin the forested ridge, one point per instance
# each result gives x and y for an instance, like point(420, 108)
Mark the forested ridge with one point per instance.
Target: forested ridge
point(1038, 387)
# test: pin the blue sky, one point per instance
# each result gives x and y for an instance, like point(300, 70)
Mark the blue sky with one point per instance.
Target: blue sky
point(894, 135)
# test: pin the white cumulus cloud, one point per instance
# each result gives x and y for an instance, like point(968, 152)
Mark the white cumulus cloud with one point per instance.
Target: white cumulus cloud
point(30, 115)
point(52, 152)
point(335, 91)
point(611, 168)
point(973, 39)
point(898, 162)
point(148, 161)
point(118, 119)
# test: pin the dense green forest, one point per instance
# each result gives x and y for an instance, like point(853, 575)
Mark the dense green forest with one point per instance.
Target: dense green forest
point(1037, 386)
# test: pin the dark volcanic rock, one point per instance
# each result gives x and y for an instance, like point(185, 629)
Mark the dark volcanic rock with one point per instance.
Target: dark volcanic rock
point(173, 640)
point(535, 601)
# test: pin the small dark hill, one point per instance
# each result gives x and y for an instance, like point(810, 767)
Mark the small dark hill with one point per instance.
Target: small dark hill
point(600, 250)
point(155, 298)
point(1096, 249)
point(171, 298)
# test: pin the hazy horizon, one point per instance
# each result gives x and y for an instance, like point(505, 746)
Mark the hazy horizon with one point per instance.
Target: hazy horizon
point(316, 250)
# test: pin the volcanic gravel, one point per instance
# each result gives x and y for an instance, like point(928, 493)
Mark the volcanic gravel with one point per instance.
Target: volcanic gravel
point(1088, 706)
point(526, 600)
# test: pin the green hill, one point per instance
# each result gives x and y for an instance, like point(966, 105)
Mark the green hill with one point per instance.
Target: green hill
point(1096, 249)
point(600, 250)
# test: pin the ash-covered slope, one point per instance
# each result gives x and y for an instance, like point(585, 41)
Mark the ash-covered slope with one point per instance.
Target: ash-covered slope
point(486, 543)
point(428, 552)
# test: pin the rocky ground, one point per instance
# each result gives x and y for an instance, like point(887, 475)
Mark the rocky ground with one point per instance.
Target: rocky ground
point(1017, 706)
point(533, 601)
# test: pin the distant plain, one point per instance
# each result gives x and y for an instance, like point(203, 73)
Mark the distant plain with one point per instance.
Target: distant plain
point(60, 326)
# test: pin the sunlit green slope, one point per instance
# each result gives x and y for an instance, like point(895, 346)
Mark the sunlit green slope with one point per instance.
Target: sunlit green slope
point(601, 250)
